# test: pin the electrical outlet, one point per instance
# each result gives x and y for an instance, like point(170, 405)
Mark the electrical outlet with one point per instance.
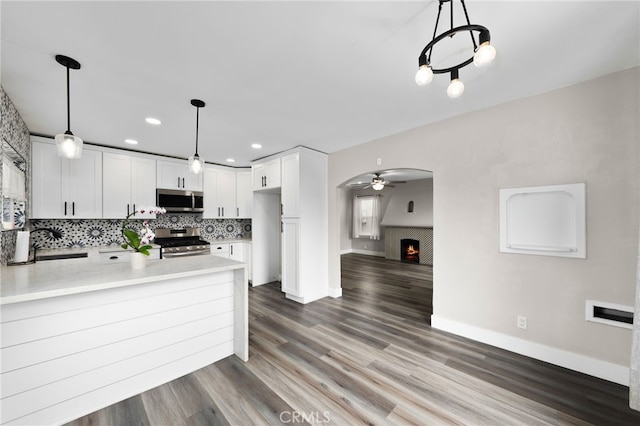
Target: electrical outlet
point(522, 322)
point(365, 246)
point(379, 161)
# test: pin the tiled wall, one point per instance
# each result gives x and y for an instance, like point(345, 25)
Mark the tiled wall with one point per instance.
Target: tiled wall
point(15, 132)
point(106, 232)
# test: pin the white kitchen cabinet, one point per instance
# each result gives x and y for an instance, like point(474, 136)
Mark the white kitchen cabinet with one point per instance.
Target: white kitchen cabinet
point(129, 182)
point(177, 175)
point(242, 253)
point(290, 193)
point(62, 188)
point(244, 194)
point(266, 175)
point(290, 257)
point(221, 249)
point(219, 193)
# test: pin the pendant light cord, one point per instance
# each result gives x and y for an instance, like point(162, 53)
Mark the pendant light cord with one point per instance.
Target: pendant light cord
point(197, 125)
point(68, 104)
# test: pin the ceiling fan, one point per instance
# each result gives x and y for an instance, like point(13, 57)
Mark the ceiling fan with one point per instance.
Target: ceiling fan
point(378, 183)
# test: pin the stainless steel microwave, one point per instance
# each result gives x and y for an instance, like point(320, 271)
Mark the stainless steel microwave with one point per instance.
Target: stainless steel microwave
point(180, 200)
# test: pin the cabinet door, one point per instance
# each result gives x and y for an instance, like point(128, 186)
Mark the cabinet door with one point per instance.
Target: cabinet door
point(291, 185)
point(273, 173)
point(290, 256)
point(258, 172)
point(143, 185)
point(192, 181)
point(244, 194)
point(46, 182)
point(227, 193)
point(210, 188)
point(116, 190)
point(236, 252)
point(169, 175)
point(85, 186)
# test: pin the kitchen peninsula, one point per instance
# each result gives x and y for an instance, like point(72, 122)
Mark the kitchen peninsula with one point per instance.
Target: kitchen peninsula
point(77, 336)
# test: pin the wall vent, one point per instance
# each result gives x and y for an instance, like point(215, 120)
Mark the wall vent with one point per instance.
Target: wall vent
point(609, 313)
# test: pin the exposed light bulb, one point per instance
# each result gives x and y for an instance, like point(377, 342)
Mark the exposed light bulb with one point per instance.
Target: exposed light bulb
point(69, 146)
point(485, 54)
point(196, 164)
point(424, 75)
point(455, 89)
point(377, 186)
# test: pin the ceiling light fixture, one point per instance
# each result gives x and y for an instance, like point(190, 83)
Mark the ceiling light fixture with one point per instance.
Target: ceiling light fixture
point(68, 145)
point(483, 55)
point(230, 160)
point(153, 121)
point(131, 141)
point(196, 163)
point(256, 146)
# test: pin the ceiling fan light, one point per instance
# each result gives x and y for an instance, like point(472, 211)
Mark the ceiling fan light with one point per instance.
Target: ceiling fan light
point(378, 186)
point(485, 54)
point(424, 75)
point(69, 146)
point(455, 89)
point(196, 164)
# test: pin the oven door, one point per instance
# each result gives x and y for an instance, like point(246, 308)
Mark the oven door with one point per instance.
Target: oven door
point(170, 252)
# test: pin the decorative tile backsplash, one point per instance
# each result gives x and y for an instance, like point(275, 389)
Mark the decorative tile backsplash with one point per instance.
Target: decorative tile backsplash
point(106, 232)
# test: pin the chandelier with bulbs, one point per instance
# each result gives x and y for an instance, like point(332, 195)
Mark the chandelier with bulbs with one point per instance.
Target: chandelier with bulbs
point(484, 52)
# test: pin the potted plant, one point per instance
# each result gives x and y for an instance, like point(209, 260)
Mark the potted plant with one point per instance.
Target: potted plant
point(139, 241)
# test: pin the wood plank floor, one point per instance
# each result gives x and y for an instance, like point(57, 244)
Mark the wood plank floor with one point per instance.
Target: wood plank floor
point(370, 357)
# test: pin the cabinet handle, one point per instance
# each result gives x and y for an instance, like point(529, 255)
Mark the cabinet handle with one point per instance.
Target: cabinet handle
point(281, 208)
point(65, 208)
point(231, 250)
point(238, 211)
point(265, 181)
point(134, 208)
point(178, 182)
point(218, 211)
point(128, 209)
point(182, 182)
point(281, 227)
point(73, 208)
point(222, 211)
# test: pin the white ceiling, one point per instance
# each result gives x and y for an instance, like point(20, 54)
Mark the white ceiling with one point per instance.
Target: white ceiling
point(327, 75)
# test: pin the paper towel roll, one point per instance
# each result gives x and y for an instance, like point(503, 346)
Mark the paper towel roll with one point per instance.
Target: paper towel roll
point(22, 247)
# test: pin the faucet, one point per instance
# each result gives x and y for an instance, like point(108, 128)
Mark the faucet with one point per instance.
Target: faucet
point(55, 234)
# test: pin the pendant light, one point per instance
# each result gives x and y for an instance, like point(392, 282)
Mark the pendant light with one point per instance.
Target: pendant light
point(483, 52)
point(68, 145)
point(196, 163)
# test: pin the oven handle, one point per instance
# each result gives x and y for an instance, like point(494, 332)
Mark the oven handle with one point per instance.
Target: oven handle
point(185, 253)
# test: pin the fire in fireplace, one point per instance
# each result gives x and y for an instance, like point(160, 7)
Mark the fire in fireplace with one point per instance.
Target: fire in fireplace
point(410, 250)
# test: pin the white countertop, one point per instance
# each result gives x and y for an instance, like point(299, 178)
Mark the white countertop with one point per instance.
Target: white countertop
point(46, 279)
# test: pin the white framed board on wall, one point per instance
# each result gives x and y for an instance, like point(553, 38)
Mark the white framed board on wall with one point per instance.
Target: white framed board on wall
point(544, 220)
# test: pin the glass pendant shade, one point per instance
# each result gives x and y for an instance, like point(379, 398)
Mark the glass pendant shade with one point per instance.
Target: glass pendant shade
point(424, 75)
point(485, 54)
point(69, 146)
point(377, 186)
point(196, 164)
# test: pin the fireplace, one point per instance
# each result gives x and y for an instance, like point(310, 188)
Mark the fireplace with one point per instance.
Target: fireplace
point(410, 250)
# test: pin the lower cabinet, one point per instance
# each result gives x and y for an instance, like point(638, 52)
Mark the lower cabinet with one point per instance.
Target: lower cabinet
point(235, 251)
point(290, 256)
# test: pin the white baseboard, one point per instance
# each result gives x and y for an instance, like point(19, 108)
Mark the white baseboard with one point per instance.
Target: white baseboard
point(365, 252)
point(335, 292)
point(594, 367)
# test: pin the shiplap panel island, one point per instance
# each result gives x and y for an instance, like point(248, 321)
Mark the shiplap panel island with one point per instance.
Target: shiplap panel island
point(77, 336)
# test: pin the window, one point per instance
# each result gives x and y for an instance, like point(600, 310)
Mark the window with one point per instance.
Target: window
point(366, 217)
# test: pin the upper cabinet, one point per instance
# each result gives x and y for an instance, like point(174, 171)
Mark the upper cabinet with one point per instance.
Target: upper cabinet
point(129, 182)
point(176, 175)
point(266, 175)
point(290, 193)
point(244, 194)
point(65, 189)
point(219, 193)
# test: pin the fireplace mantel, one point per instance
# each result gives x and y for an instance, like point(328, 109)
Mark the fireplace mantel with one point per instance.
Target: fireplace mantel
point(393, 235)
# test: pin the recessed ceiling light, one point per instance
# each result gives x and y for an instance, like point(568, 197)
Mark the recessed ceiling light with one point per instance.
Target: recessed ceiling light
point(131, 141)
point(256, 146)
point(230, 160)
point(152, 120)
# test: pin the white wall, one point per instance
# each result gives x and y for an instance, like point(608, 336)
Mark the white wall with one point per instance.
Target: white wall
point(421, 193)
point(584, 133)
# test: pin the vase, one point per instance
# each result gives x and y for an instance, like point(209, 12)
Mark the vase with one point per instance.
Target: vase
point(138, 260)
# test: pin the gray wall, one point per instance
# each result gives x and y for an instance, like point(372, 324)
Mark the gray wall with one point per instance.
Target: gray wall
point(583, 133)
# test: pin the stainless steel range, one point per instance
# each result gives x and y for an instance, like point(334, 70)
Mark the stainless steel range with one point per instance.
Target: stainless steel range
point(181, 242)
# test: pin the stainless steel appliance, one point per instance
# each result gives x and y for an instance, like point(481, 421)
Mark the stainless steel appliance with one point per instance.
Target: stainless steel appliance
point(180, 200)
point(180, 242)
